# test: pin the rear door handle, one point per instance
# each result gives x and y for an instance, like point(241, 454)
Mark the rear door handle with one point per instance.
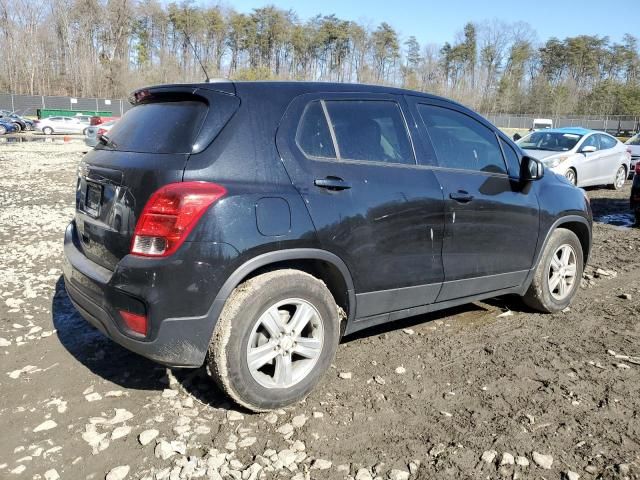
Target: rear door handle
point(461, 196)
point(332, 183)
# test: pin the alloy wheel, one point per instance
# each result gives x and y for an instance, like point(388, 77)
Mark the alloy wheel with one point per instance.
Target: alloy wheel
point(571, 176)
point(620, 178)
point(562, 272)
point(285, 343)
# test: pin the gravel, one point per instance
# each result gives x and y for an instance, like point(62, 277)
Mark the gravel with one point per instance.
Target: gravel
point(76, 405)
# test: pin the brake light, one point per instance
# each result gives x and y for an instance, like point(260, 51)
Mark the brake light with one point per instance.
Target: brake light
point(101, 131)
point(170, 215)
point(135, 322)
point(638, 167)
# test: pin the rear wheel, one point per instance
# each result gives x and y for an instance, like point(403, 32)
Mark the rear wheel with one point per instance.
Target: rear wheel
point(47, 131)
point(275, 339)
point(619, 179)
point(558, 274)
point(3, 129)
point(571, 176)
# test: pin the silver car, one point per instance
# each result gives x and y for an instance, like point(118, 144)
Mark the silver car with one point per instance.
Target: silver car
point(633, 145)
point(92, 133)
point(52, 125)
point(584, 157)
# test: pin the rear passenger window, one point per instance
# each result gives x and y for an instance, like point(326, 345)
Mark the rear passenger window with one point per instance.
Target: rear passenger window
point(313, 136)
point(370, 130)
point(606, 142)
point(461, 142)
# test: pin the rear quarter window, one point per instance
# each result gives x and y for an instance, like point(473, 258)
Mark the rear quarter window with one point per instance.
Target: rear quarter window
point(158, 127)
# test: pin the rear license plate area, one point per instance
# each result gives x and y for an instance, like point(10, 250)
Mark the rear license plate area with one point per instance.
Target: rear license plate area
point(93, 199)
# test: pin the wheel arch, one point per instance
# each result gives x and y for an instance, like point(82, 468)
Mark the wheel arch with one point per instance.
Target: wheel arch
point(578, 225)
point(322, 264)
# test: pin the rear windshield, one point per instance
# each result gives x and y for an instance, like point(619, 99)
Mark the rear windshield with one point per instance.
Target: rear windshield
point(159, 127)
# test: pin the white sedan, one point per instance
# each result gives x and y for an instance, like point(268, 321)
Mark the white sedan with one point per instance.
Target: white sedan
point(52, 125)
point(585, 157)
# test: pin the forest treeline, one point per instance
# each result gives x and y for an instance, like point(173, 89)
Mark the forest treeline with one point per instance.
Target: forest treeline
point(106, 48)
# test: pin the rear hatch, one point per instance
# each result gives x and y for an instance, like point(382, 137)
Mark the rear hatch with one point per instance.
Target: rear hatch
point(147, 148)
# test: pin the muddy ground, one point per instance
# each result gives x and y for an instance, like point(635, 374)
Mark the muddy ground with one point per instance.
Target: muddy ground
point(479, 385)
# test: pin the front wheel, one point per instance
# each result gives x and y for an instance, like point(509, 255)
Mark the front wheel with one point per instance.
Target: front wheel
point(558, 274)
point(276, 337)
point(619, 179)
point(47, 131)
point(571, 176)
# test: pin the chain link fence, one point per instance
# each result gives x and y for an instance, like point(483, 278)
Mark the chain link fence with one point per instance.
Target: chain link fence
point(607, 123)
point(28, 105)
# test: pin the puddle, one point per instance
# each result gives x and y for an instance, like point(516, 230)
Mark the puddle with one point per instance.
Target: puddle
point(625, 220)
point(38, 139)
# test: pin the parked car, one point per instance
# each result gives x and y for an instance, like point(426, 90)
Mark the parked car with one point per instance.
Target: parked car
point(635, 194)
point(95, 120)
point(250, 225)
point(92, 133)
point(8, 127)
point(541, 123)
point(86, 119)
point(53, 125)
point(633, 145)
point(22, 124)
point(584, 157)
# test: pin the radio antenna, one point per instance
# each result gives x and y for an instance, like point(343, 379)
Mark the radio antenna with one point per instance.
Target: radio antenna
point(195, 54)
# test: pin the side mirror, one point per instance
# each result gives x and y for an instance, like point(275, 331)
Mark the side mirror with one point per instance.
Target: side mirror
point(588, 149)
point(531, 169)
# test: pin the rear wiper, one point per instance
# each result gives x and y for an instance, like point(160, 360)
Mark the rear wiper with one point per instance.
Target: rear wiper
point(106, 141)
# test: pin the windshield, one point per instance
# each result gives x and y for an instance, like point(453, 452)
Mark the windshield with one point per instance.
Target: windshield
point(551, 141)
point(635, 140)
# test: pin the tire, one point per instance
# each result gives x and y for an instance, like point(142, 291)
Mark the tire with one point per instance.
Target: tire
point(47, 131)
point(619, 178)
point(3, 129)
point(572, 176)
point(241, 324)
point(540, 295)
point(18, 127)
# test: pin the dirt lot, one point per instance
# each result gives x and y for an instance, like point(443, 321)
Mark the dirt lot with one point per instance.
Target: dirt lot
point(450, 395)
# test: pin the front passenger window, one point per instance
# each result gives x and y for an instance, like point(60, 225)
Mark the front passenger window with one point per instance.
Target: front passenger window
point(591, 141)
point(461, 142)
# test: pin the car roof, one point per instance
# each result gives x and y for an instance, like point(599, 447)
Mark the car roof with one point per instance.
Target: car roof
point(574, 130)
point(298, 87)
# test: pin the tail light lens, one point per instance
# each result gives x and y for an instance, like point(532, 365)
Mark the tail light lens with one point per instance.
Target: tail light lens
point(101, 131)
point(170, 215)
point(637, 167)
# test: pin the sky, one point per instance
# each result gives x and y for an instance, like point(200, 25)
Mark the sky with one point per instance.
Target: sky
point(439, 21)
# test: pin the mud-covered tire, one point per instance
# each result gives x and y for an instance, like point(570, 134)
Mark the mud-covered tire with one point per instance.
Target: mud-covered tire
point(228, 352)
point(539, 295)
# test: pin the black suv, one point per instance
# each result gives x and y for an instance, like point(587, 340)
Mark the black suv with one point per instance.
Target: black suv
point(250, 225)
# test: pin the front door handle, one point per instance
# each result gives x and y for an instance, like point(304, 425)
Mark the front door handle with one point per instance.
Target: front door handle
point(332, 183)
point(461, 196)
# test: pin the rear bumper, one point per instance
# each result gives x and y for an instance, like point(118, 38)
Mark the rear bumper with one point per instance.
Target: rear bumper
point(154, 285)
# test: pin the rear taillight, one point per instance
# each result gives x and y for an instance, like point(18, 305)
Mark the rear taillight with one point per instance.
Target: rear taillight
point(136, 323)
point(101, 131)
point(170, 215)
point(638, 167)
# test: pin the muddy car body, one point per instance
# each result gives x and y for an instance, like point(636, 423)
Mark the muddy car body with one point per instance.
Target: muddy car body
point(312, 210)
